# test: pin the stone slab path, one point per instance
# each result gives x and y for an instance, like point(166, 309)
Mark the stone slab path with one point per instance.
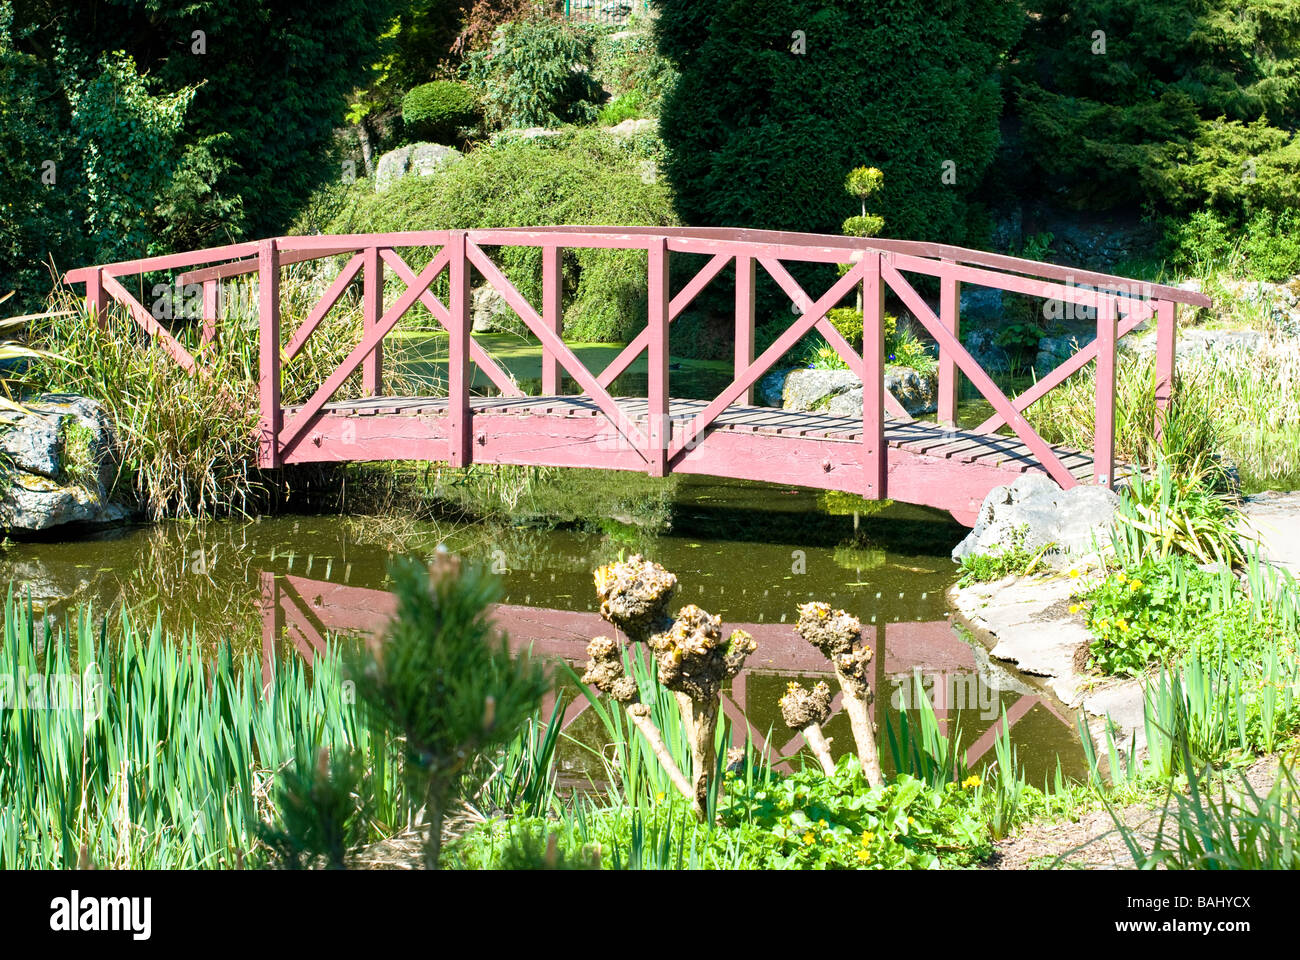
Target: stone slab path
point(1275, 519)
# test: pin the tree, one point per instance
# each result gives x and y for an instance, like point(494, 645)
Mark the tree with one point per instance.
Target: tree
point(1174, 104)
point(170, 122)
point(444, 679)
point(778, 97)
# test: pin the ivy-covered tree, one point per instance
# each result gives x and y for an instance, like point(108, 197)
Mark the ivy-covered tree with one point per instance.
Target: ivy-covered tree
point(1168, 104)
point(35, 183)
point(170, 123)
point(777, 98)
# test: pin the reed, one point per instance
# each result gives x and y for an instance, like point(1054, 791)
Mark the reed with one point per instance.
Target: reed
point(1234, 403)
point(121, 747)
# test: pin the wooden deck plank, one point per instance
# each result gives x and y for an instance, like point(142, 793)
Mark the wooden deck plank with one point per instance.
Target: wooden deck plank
point(915, 437)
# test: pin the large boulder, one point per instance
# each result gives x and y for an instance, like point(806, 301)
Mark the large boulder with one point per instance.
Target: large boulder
point(770, 387)
point(839, 392)
point(1033, 513)
point(58, 461)
point(982, 344)
point(489, 311)
point(418, 159)
point(813, 389)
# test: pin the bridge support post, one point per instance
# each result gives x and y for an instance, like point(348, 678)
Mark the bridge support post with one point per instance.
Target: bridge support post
point(268, 353)
point(658, 424)
point(372, 308)
point(95, 297)
point(1103, 451)
point(552, 315)
point(746, 280)
point(874, 453)
point(459, 415)
point(211, 307)
point(949, 374)
point(1166, 349)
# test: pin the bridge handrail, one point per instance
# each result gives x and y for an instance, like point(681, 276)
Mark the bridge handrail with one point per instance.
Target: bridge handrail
point(875, 264)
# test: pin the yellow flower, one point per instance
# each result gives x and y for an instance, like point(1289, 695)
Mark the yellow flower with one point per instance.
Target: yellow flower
point(1074, 608)
point(658, 797)
point(1121, 578)
point(1123, 625)
point(809, 839)
point(864, 855)
point(972, 781)
point(910, 820)
point(1135, 584)
point(1074, 574)
point(867, 837)
point(822, 823)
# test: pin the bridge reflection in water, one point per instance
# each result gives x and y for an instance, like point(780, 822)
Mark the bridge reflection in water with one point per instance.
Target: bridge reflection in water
point(963, 685)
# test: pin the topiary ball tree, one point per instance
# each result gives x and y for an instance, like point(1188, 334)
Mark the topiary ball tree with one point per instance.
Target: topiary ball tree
point(437, 111)
point(691, 655)
point(777, 98)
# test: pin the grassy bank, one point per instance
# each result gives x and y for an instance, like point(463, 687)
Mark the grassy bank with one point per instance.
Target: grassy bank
point(1238, 404)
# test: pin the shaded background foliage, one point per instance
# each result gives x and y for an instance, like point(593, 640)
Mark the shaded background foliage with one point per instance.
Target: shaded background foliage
point(1188, 116)
point(760, 135)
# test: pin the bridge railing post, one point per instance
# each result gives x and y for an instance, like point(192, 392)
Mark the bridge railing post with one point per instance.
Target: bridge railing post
point(372, 308)
point(552, 315)
point(211, 309)
point(746, 281)
point(95, 297)
point(268, 353)
point(949, 374)
point(658, 424)
point(459, 415)
point(874, 453)
point(1166, 350)
point(1103, 448)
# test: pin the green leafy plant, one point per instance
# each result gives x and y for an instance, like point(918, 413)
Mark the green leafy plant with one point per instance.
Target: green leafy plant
point(536, 73)
point(321, 811)
point(1013, 560)
point(1176, 513)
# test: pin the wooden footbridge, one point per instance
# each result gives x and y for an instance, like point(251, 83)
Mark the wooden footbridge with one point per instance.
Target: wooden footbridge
point(884, 453)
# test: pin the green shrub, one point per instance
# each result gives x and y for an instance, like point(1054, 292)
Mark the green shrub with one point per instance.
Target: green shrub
point(629, 66)
point(761, 135)
point(1014, 560)
point(437, 111)
point(804, 821)
point(1266, 247)
point(445, 682)
point(1165, 608)
point(536, 73)
point(586, 177)
point(1182, 108)
point(619, 109)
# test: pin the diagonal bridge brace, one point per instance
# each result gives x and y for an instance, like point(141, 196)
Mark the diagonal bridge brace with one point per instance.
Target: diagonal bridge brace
point(558, 348)
point(745, 379)
point(291, 432)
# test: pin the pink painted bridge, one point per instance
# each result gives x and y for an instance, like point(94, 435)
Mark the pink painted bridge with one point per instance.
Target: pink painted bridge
point(883, 453)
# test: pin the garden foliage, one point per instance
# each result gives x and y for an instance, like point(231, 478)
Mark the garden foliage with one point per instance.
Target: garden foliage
point(777, 100)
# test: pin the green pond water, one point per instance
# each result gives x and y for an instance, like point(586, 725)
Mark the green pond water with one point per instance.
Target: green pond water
point(277, 586)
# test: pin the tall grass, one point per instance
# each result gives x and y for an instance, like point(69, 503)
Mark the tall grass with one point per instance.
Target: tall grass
point(1234, 402)
point(1237, 829)
point(164, 760)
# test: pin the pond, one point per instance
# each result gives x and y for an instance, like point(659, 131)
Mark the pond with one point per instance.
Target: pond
point(278, 586)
